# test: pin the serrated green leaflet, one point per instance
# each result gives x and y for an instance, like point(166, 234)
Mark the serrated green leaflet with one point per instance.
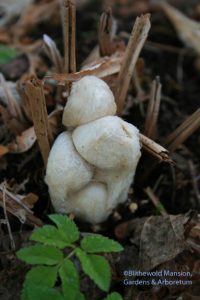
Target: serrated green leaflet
point(70, 279)
point(35, 292)
point(42, 275)
point(7, 53)
point(99, 243)
point(41, 255)
point(49, 235)
point(114, 296)
point(66, 227)
point(96, 267)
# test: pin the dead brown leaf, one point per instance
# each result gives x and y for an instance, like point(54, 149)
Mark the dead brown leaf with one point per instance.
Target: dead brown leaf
point(159, 238)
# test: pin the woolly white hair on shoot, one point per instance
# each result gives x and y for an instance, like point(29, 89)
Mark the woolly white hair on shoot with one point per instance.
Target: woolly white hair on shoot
point(92, 164)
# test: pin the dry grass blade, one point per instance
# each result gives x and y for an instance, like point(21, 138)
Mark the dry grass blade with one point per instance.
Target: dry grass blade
point(53, 53)
point(68, 12)
point(155, 200)
point(188, 30)
point(153, 109)
point(106, 32)
point(176, 138)
point(35, 94)
point(154, 149)
point(14, 205)
point(135, 44)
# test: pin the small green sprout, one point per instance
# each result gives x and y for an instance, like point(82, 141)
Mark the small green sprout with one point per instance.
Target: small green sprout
point(7, 53)
point(49, 254)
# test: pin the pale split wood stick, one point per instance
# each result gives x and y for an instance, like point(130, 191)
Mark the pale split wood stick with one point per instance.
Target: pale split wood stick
point(35, 94)
point(155, 149)
point(176, 138)
point(153, 108)
point(136, 41)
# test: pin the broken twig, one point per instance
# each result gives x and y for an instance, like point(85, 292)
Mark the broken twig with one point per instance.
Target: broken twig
point(153, 109)
point(154, 149)
point(68, 10)
point(135, 44)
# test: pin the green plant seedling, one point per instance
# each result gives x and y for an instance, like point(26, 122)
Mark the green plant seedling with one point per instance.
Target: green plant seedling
point(51, 262)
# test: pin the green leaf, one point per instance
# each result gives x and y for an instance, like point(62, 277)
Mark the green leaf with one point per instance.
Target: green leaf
point(37, 292)
point(66, 227)
point(70, 280)
point(7, 53)
point(24, 293)
point(42, 275)
point(113, 296)
point(80, 296)
point(41, 255)
point(96, 267)
point(98, 243)
point(49, 235)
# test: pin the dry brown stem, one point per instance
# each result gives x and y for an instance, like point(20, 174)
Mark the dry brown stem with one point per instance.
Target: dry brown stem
point(153, 109)
point(154, 149)
point(136, 41)
point(155, 200)
point(176, 138)
point(35, 94)
point(68, 10)
point(105, 33)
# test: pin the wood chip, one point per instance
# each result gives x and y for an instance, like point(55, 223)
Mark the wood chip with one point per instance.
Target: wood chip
point(35, 94)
